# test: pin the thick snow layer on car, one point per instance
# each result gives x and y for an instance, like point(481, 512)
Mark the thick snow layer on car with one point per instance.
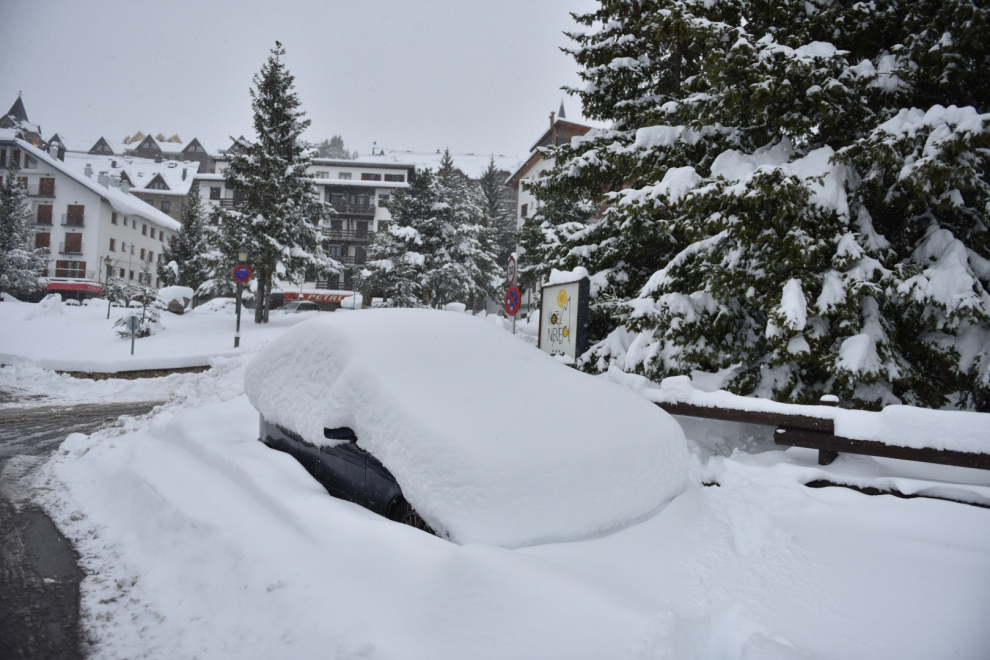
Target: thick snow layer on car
point(491, 440)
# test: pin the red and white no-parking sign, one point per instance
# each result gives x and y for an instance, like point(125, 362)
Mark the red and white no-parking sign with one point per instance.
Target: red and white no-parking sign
point(513, 300)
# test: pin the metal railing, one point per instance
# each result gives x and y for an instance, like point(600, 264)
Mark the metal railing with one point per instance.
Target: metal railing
point(354, 209)
point(63, 249)
point(74, 274)
point(36, 190)
point(352, 259)
point(78, 221)
point(228, 202)
point(348, 234)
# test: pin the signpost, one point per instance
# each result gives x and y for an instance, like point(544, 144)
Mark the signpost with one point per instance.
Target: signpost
point(564, 318)
point(133, 324)
point(242, 274)
point(513, 297)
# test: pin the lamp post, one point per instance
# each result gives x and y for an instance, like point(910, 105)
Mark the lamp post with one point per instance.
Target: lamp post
point(242, 256)
point(108, 262)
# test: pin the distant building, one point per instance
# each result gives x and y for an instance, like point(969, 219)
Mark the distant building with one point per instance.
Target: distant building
point(560, 132)
point(16, 119)
point(83, 217)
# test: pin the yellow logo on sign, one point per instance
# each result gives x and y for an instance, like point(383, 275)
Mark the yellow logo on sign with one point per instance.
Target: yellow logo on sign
point(562, 298)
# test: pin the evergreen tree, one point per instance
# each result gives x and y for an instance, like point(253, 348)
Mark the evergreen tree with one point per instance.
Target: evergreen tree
point(147, 295)
point(501, 219)
point(183, 259)
point(278, 221)
point(21, 266)
point(438, 246)
point(797, 195)
point(334, 148)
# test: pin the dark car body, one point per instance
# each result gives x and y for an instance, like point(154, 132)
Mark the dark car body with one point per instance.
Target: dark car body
point(301, 306)
point(346, 471)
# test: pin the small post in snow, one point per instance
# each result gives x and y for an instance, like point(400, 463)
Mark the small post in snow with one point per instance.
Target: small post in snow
point(133, 324)
point(242, 274)
point(513, 297)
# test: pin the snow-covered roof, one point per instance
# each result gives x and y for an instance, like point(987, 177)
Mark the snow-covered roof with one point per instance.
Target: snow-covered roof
point(119, 200)
point(567, 455)
point(471, 164)
point(140, 171)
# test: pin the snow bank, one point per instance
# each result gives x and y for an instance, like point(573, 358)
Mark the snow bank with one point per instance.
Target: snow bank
point(565, 276)
point(179, 294)
point(904, 426)
point(491, 440)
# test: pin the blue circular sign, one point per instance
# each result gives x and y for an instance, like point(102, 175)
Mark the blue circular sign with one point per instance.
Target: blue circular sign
point(242, 273)
point(513, 300)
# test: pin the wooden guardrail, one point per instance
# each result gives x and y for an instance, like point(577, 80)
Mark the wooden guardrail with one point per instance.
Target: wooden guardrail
point(819, 433)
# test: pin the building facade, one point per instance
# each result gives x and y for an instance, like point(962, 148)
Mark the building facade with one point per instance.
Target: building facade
point(84, 218)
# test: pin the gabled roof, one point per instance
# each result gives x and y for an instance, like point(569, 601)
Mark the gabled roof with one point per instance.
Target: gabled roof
point(118, 199)
point(560, 132)
point(148, 143)
point(113, 148)
point(158, 178)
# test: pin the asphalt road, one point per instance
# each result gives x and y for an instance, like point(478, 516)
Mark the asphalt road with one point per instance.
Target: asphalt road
point(39, 575)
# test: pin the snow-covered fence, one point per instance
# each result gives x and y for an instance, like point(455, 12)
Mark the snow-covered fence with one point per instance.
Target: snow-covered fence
point(905, 432)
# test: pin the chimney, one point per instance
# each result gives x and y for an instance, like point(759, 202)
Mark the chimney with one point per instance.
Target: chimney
point(125, 187)
point(53, 150)
point(88, 171)
point(114, 181)
point(113, 164)
point(158, 158)
point(103, 179)
point(183, 174)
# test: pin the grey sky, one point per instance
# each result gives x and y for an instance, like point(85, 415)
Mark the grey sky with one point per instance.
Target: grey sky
point(473, 75)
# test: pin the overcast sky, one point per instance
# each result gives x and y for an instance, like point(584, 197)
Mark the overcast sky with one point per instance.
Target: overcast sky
point(472, 75)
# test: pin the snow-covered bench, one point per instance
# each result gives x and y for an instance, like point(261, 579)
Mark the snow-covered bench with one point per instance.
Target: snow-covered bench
point(905, 432)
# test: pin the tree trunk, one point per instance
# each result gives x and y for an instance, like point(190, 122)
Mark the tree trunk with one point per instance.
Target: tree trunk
point(259, 295)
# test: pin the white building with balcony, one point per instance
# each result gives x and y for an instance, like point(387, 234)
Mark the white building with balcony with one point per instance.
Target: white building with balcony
point(359, 194)
point(84, 217)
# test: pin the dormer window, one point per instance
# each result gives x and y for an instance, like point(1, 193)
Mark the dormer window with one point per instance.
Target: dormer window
point(158, 183)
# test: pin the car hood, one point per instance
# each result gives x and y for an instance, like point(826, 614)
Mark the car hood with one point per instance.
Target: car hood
point(492, 440)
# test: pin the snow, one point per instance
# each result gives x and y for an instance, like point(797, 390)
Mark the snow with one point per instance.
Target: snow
point(905, 426)
point(198, 541)
point(180, 294)
point(471, 164)
point(565, 276)
point(575, 457)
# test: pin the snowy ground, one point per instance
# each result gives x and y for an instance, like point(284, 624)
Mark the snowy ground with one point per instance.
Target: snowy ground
point(199, 541)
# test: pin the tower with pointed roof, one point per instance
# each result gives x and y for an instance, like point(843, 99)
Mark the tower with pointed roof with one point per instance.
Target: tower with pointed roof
point(17, 119)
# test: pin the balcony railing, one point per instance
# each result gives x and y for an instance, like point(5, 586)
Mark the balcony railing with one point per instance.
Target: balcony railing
point(37, 190)
point(354, 209)
point(75, 221)
point(228, 202)
point(75, 274)
point(70, 249)
point(348, 234)
point(352, 259)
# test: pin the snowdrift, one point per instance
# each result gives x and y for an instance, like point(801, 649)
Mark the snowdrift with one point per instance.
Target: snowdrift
point(491, 440)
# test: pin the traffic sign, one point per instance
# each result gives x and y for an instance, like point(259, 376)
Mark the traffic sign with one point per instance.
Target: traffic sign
point(242, 273)
point(510, 272)
point(133, 324)
point(513, 299)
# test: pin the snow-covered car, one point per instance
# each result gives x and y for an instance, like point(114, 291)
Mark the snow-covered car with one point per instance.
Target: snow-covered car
point(487, 438)
point(300, 306)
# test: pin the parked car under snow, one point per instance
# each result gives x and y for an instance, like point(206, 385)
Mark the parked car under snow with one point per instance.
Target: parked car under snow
point(489, 439)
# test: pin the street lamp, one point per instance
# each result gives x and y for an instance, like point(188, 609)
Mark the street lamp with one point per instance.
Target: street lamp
point(108, 262)
point(242, 256)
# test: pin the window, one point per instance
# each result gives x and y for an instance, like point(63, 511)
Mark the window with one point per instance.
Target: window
point(159, 257)
point(161, 237)
point(3, 157)
point(113, 218)
point(215, 192)
point(22, 181)
point(142, 254)
point(125, 220)
point(75, 215)
point(524, 212)
point(158, 183)
point(322, 175)
point(121, 272)
point(144, 230)
point(132, 274)
point(70, 269)
point(344, 175)
point(44, 214)
point(166, 206)
point(42, 240)
point(123, 246)
point(15, 158)
point(396, 178)
point(157, 283)
point(366, 176)
point(73, 244)
point(151, 256)
point(113, 245)
point(383, 200)
point(46, 187)
point(30, 162)
point(152, 233)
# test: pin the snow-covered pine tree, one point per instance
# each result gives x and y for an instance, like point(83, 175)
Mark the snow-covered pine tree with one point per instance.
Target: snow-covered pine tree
point(808, 180)
point(501, 219)
point(21, 265)
point(279, 218)
point(150, 314)
point(437, 247)
point(187, 251)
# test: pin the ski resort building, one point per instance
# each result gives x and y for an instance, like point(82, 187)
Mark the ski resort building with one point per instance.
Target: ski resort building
point(83, 217)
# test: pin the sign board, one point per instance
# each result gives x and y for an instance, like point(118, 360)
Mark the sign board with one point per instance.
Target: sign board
point(242, 273)
point(513, 300)
point(133, 324)
point(510, 271)
point(564, 318)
